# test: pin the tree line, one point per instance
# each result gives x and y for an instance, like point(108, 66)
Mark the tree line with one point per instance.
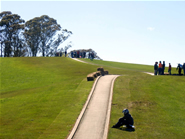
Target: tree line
point(40, 35)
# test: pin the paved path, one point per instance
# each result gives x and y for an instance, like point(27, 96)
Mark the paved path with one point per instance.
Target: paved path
point(95, 121)
point(149, 73)
point(79, 60)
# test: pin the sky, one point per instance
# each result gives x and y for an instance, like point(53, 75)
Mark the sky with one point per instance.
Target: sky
point(141, 32)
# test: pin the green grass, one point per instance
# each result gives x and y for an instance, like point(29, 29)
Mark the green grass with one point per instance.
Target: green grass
point(42, 97)
point(126, 66)
point(156, 104)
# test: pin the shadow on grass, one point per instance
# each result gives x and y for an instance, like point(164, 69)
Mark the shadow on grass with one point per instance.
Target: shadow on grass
point(126, 129)
point(174, 74)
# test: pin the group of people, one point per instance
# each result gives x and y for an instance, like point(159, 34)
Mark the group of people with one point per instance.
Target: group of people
point(78, 54)
point(82, 54)
point(60, 54)
point(180, 67)
point(159, 69)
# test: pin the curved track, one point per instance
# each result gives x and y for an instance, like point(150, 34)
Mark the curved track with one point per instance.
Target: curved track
point(93, 121)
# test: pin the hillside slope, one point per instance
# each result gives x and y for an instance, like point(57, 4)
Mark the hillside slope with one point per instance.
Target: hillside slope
point(42, 95)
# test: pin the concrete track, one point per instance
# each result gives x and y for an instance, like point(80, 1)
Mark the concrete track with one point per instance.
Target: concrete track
point(93, 121)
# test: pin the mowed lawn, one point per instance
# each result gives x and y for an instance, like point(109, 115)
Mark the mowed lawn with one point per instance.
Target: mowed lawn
point(42, 97)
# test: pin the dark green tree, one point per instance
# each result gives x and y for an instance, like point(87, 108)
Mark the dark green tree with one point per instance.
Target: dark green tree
point(11, 26)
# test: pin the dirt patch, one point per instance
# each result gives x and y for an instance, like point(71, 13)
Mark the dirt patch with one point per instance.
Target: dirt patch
point(141, 104)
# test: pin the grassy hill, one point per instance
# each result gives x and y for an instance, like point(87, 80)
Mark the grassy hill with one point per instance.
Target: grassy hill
point(157, 103)
point(42, 97)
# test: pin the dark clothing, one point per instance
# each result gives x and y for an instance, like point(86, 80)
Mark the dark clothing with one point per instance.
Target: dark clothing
point(84, 54)
point(78, 54)
point(163, 68)
point(180, 68)
point(126, 120)
point(183, 67)
point(169, 69)
point(65, 53)
point(160, 71)
point(180, 71)
point(92, 56)
point(155, 69)
point(72, 55)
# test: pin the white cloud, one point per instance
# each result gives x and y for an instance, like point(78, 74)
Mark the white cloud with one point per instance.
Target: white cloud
point(150, 28)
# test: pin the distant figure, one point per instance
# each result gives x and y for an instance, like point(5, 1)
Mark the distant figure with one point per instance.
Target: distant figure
point(160, 68)
point(183, 67)
point(155, 68)
point(84, 54)
point(65, 53)
point(163, 67)
point(72, 54)
point(126, 120)
point(89, 55)
point(179, 68)
point(92, 56)
point(169, 69)
point(78, 54)
point(75, 54)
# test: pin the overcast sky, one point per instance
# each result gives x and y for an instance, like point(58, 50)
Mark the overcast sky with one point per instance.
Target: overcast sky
point(126, 31)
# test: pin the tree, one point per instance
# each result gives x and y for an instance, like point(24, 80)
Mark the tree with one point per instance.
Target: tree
point(62, 36)
point(11, 26)
point(18, 45)
point(32, 35)
point(2, 37)
point(49, 27)
point(42, 35)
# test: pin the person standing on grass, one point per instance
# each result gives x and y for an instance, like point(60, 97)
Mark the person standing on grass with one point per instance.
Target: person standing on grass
point(160, 68)
point(92, 55)
point(163, 67)
point(72, 54)
point(155, 68)
point(169, 69)
point(78, 54)
point(179, 67)
point(183, 67)
point(84, 54)
point(65, 53)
